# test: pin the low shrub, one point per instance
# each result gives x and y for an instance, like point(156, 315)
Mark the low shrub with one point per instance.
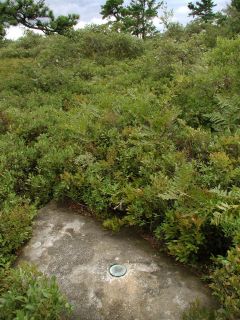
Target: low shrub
point(15, 229)
point(144, 133)
point(226, 283)
point(28, 294)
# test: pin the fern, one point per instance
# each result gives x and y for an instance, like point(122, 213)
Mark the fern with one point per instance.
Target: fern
point(180, 184)
point(226, 213)
point(227, 117)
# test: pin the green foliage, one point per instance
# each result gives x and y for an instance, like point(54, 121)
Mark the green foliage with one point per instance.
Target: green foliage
point(113, 224)
point(113, 8)
point(230, 19)
point(140, 16)
point(34, 15)
point(135, 18)
point(211, 85)
point(226, 283)
point(28, 294)
point(203, 9)
point(145, 133)
point(14, 230)
point(236, 4)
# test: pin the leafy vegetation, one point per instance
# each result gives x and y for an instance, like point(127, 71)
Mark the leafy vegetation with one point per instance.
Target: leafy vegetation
point(203, 9)
point(34, 15)
point(145, 133)
point(135, 18)
point(30, 295)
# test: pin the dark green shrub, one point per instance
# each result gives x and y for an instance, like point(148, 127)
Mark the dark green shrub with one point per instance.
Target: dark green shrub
point(15, 229)
point(28, 294)
point(144, 133)
point(98, 45)
point(226, 283)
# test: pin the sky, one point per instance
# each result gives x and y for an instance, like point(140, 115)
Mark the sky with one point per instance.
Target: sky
point(89, 12)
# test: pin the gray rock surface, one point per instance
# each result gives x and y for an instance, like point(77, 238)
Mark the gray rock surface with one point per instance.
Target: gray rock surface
point(78, 251)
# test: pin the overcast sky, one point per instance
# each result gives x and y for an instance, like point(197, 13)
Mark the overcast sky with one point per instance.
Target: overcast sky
point(89, 11)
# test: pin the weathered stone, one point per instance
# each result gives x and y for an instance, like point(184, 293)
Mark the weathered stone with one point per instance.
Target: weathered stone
point(78, 251)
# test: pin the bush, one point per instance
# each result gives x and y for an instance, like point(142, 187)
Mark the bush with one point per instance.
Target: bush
point(15, 229)
point(97, 44)
point(144, 133)
point(28, 294)
point(226, 283)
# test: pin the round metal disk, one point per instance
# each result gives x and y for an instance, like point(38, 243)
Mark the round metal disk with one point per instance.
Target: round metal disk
point(118, 270)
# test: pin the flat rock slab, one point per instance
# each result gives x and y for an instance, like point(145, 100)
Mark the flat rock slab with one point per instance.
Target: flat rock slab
point(78, 251)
